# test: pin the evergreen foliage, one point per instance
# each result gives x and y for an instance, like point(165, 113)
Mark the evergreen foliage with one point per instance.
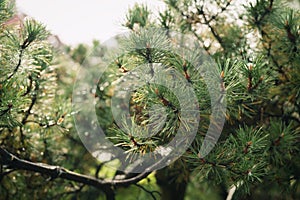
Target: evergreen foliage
point(255, 48)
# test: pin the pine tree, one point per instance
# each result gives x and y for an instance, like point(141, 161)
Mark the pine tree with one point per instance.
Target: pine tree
point(249, 58)
point(256, 50)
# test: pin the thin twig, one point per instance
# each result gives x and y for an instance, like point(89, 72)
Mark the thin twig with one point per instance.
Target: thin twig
point(33, 101)
point(151, 193)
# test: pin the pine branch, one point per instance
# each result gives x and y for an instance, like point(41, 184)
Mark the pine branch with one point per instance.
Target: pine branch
point(29, 87)
point(226, 166)
point(194, 19)
point(16, 67)
point(106, 186)
point(213, 31)
point(3, 112)
point(33, 101)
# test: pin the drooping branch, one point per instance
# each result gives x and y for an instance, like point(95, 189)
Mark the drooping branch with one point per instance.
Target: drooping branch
point(13, 162)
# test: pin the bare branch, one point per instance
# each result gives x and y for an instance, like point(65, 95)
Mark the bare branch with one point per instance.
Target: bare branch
point(12, 161)
point(151, 193)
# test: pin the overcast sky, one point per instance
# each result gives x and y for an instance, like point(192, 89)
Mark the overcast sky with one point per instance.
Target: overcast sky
point(82, 21)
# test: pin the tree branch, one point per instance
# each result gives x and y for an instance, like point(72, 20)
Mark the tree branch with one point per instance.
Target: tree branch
point(33, 101)
point(21, 52)
point(12, 161)
point(16, 67)
point(151, 193)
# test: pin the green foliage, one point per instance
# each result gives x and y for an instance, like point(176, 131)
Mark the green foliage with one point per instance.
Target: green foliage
point(256, 48)
point(258, 61)
point(6, 10)
point(34, 113)
point(138, 15)
point(79, 53)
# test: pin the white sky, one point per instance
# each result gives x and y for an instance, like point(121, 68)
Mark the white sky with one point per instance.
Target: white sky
point(82, 21)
